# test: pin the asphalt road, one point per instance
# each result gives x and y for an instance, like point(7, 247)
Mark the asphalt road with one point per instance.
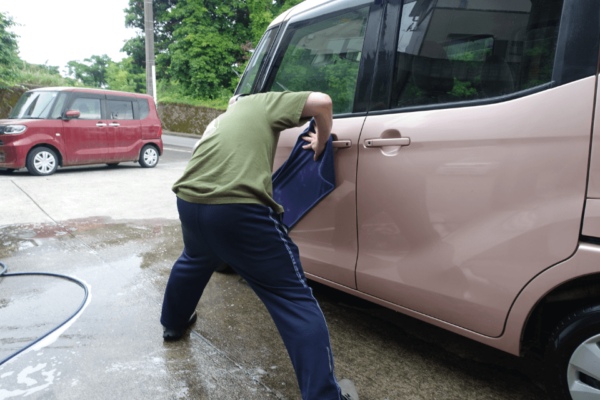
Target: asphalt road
point(117, 229)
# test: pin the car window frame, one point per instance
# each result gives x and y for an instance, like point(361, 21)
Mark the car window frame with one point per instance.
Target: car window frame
point(366, 67)
point(259, 74)
point(134, 104)
point(139, 100)
point(88, 95)
point(577, 56)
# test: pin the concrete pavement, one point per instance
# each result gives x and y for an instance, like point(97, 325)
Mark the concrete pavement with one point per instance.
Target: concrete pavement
point(117, 230)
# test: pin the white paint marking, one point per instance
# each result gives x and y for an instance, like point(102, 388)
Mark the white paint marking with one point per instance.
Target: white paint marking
point(183, 151)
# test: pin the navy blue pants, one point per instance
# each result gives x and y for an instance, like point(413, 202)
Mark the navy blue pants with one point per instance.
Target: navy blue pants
point(253, 241)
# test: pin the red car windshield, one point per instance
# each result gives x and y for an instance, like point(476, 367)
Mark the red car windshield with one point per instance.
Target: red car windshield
point(34, 105)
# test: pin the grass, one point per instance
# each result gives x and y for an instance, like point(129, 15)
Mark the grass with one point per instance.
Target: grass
point(171, 92)
point(168, 92)
point(39, 75)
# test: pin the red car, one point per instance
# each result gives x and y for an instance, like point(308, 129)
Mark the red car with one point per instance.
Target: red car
point(52, 127)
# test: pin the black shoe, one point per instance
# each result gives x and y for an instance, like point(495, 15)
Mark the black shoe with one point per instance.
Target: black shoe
point(348, 389)
point(172, 335)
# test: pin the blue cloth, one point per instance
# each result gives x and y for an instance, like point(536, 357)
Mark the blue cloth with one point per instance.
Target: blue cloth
point(300, 183)
point(252, 240)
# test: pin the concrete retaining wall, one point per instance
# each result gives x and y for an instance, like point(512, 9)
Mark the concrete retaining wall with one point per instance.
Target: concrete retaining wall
point(174, 117)
point(185, 118)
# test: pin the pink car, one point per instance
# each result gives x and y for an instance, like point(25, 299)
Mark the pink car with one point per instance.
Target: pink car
point(53, 127)
point(467, 168)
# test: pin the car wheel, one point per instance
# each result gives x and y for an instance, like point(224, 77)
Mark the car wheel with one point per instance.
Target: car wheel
point(42, 161)
point(112, 165)
point(148, 156)
point(573, 357)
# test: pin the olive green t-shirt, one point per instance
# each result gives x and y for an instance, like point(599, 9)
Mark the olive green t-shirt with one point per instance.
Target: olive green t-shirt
point(234, 161)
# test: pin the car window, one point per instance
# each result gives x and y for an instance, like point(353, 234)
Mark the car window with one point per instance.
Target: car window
point(120, 109)
point(35, 105)
point(325, 56)
point(255, 63)
point(88, 108)
point(58, 106)
point(144, 108)
point(456, 50)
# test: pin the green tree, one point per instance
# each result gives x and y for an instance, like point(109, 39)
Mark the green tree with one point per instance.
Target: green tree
point(207, 44)
point(262, 12)
point(135, 48)
point(92, 72)
point(9, 51)
point(122, 76)
point(164, 26)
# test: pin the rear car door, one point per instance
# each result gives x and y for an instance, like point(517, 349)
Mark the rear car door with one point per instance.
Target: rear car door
point(473, 160)
point(327, 50)
point(124, 130)
point(85, 138)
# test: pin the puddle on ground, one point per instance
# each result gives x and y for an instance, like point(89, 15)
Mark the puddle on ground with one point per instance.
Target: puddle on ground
point(372, 345)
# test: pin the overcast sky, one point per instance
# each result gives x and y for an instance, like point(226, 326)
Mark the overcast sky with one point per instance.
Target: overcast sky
point(63, 30)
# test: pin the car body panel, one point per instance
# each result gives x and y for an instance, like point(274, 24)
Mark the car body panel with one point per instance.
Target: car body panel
point(591, 219)
point(326, 236)
point(455, 224)
point(39, 132)
point(594, 178)
point(583, 263)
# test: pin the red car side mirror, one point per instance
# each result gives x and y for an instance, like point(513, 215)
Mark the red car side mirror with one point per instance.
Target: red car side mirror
point(72, 114)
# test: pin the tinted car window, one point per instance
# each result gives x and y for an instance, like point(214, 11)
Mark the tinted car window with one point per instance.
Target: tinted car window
point(144, 108)
point(120, 109)
point(325, 57)
point(88, 108)
point(455, 50)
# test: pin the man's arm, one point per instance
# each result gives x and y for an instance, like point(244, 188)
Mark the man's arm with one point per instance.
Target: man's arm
point(319, 106)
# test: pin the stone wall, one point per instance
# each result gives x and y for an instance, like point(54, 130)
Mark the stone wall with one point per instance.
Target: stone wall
point(185, 118)
point(174, 117)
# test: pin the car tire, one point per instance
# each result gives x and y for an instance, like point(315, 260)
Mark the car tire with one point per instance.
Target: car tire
point(148, 156)
point(112, 165)
point(42, 161)
point(573, 356)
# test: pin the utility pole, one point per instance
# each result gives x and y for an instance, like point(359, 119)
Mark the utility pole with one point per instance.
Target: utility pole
point(149, 33)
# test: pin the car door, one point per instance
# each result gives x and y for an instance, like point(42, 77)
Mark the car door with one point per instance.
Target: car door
point(85, 138)
point(325, 50)
point(472, 163)
point(124, 130)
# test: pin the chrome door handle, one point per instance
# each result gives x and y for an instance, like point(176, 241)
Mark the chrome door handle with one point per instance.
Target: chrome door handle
point(387, 142)
point(101, 124)
point(342, 144)
point(114, 124)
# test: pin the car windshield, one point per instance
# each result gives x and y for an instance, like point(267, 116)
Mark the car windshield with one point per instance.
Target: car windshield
point(34, 105)
point(245, 86)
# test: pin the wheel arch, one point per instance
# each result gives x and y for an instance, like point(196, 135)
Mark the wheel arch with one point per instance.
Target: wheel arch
point(56, 150)
point(556, 305)
point(156, 146)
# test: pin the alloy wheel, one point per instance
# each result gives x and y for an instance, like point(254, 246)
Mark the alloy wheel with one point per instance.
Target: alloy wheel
point(583, 371)
point(44, 162)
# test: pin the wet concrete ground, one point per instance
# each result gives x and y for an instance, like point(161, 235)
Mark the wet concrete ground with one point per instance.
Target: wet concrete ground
point(117, 231)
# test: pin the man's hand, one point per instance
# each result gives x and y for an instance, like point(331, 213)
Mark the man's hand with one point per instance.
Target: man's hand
point(319, 106)
point(313, 143)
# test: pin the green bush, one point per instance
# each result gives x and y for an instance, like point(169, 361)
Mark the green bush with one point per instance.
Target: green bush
point(173, 92)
